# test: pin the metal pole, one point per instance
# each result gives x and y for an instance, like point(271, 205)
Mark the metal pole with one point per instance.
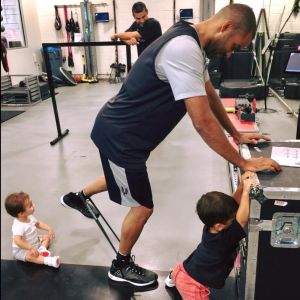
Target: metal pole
point(50, 80)
point(52, 93)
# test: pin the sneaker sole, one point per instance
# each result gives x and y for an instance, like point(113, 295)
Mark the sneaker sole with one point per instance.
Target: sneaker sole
point(63, 203)
point(112, 277)
point(67, 206)
point(168, 284)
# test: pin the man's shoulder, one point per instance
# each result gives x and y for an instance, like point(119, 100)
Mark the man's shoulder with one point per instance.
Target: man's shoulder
point(152, 21)
point(133, 27)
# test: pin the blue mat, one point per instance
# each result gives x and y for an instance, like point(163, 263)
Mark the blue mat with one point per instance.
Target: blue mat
point(8, 114)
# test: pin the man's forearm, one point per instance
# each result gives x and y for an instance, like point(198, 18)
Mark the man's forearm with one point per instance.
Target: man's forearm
point(209, 128)
point(214, 136)
point(219, 111)
point(126, 35)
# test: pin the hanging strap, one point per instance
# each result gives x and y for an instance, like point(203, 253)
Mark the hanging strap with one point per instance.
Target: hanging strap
point(70, 54)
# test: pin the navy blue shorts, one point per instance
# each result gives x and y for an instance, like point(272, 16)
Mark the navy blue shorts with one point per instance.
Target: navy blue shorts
point(127, 187)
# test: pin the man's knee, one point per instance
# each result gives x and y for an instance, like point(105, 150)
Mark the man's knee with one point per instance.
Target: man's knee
point(143, 213)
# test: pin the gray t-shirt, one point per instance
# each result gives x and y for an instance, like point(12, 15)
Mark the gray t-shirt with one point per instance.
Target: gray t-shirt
point(146, 109)
point(183, 64)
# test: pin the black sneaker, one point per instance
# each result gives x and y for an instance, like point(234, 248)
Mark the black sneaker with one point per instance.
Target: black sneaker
point(74, 200)
point(131, 273)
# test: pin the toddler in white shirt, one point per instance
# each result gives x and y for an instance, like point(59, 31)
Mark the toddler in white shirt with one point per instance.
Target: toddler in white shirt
point(27, 245)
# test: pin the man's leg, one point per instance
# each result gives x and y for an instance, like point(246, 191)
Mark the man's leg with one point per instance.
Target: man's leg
point(132, 227)
point(74, 200)
point(123, 267)
point(95, 187)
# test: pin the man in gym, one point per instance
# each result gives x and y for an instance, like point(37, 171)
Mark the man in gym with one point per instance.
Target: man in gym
point(142, 32)
point(130, 125)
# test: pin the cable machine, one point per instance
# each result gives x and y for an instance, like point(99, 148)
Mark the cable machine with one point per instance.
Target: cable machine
point(90, 59)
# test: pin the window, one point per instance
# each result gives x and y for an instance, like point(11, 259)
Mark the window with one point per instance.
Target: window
point(13, 23)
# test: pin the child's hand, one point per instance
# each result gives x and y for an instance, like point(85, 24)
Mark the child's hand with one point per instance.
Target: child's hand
point(248, 181)
point(34, 252)
point(51, 234)
point(247, 174)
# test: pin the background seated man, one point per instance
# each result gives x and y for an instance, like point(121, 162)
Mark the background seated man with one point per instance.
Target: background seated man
point(142, 32)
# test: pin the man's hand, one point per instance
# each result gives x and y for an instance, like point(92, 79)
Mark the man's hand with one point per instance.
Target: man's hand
point(251, 138)
point(261, 164)
point(132, 42)
point(114, 37)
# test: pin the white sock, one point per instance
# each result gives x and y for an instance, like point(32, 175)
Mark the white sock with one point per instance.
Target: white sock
point(43, 251)
point(52, 261)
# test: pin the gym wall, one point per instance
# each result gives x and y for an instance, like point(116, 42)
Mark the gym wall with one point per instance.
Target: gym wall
point(39, 27)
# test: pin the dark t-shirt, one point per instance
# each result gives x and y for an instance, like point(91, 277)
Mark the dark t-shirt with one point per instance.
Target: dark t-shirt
point(149, 32)
point(212, 261)
point(135, 121)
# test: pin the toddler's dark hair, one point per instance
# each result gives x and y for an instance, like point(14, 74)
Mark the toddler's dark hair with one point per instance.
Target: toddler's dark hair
point(14, 203)
point(216, 207)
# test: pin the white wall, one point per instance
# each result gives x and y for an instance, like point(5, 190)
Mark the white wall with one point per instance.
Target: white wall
point(21, 61)
point(274, 10)
point(39, 18)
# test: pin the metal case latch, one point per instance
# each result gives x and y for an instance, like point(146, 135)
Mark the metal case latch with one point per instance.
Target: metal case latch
point(285, 230)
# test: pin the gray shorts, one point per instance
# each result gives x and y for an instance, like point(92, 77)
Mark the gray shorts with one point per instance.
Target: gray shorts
point(125, 186)
point(20, 254)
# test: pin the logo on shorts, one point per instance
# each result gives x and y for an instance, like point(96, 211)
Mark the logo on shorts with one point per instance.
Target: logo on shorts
point(124, 191)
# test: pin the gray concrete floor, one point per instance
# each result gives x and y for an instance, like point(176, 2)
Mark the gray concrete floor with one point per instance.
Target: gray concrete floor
point(180, 169)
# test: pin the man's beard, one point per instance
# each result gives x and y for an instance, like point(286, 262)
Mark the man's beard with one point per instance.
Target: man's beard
point(214, 49)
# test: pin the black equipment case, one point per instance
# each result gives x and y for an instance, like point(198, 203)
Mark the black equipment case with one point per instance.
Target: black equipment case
point(270, 256)
point(234, 88)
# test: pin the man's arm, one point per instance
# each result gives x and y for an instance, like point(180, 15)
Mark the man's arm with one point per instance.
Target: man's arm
point(220, 113)
point(130, 37)
point(209, 128)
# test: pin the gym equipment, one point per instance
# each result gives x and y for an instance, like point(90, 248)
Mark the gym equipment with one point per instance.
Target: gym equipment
point(263, 70)
point(235, 88)
point(84, 77)
point(50, 76)
point(55, 59)
point(28, 93)
point(77, 78)
point(57, 23)
point(67, 76)
point(8, 114)
point(273, 45)
point(68, 29)
point(92, 208)
point(91, 72)
point(4, 46)
point(117, 69)
point(72, 26)
point(77, 27)
point(292, 89)
point(214, 71)
point(237, 78)
point(237, 66)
